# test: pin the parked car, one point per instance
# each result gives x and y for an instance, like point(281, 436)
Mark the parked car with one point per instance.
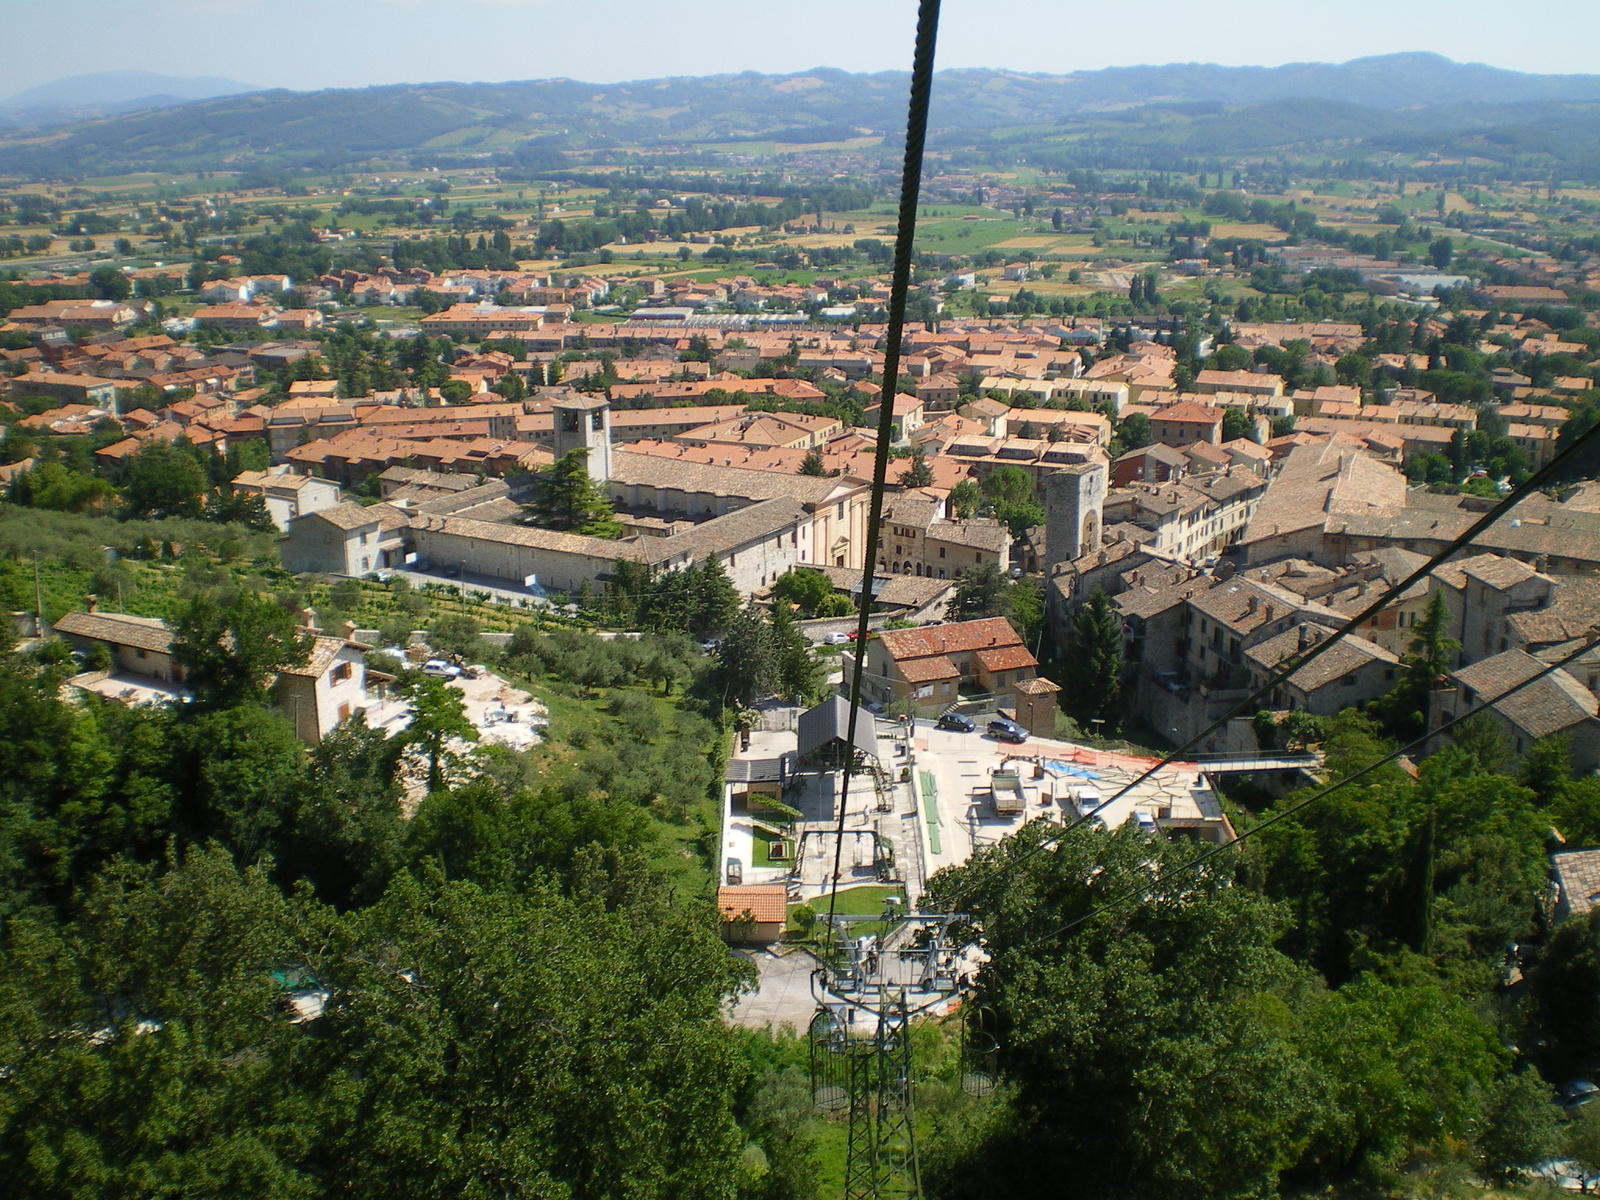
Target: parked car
point(1007, 731)
point(437, 668)
point(453, 570)
point(1575, 1093)
point(957, 723)
point(835, 639)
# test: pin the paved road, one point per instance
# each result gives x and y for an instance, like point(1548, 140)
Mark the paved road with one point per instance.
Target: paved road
point(783, 993)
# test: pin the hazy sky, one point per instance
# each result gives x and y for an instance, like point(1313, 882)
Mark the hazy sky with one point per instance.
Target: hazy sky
point(353, 43)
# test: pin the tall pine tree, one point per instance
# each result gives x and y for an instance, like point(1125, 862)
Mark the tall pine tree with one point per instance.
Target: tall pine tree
point(1094, 658)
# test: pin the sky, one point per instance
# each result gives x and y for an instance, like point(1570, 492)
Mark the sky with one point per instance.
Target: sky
point(307, 44)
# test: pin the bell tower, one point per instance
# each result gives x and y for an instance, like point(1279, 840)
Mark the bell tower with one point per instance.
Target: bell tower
point(584, 423)
point(1074, 501)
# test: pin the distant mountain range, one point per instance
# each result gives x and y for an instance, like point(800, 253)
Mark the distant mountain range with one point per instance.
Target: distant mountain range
point(1134, 116)
point(108, 92)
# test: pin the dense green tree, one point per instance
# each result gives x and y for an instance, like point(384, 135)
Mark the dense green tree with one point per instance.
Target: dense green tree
point(164, 481)
point(53, 485)
point(566, 498)
point(1521, 1125)
point(919, 474)
point(981, 591)
point(1094, 661)
point(1151, 1053)
point(344, 831)
point(461, 1035)
point(456, 391)
point(1237, 423)
point(1008, 486)
point(438, 719)
point(231, 649)
point(812, 464)
point(800, 675)
point(1404, 710)
point(108, 283)
point(804, 587)
point(965, 499)
point(1133, 431)
point(511, 386)
point(716, 599)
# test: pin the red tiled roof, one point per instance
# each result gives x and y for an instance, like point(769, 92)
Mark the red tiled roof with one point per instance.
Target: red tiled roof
point(926, 670)
point(1189, 411)
point(960, 638)
point(1005, 658)
point(765, 902)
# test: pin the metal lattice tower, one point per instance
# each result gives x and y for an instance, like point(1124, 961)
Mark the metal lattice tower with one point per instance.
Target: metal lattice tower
point(868, 990)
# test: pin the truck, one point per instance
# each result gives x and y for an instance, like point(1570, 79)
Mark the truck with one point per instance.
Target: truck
point(1006, 789)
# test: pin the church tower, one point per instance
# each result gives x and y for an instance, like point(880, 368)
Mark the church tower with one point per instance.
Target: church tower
point(584, 423)
point(1074, 500)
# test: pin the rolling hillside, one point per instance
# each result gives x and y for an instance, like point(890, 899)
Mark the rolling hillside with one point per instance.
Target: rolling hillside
point(1146, 115)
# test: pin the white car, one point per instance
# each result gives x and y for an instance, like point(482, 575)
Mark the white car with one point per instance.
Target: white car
point(437, 668)
point(836, 639)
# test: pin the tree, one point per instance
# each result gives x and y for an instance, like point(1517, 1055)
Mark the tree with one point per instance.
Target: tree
point(1442, 251)
point(800, 675)
point(717, 601)
point(1404, 710)
point(164, 481)
point(462, 1029)
point(747, 667)
point(805, 587)
point(231, 650)
point(438, 717)
point(1237, 423)
point(1095, 1017)
point(1134, 431)
point(240, 508)
point(566, 498)
point(1020, 518)
point(981, 591)
point(919, 474)
point(812, 464)
point(511, 386)
point(1521, 1124)
point(108, 283)
point(1008, 485)
point(1094, 657)
point(1583, 1142)
point(456, 391)
point(965, 499)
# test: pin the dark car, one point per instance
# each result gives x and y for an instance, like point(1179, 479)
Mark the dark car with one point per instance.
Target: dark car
point(1574, 1094)
point(956, 722)
point(1007, 731)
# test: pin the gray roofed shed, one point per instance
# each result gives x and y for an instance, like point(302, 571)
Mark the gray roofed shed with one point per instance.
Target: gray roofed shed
point(829, 722)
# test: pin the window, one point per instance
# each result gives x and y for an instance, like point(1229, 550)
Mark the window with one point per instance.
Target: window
point(363, 539)
point(941, 555)
point(841, 515)
point(1348, 681)
point(342, 672)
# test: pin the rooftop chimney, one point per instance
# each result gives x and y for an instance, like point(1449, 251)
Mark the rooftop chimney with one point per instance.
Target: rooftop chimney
point(91, 603)
point(1250, 606)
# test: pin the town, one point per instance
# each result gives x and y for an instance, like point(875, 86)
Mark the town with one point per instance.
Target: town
point(505, 528)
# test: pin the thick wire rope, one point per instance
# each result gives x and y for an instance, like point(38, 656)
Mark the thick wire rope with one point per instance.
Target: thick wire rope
point(1162, 877)
point(905, 236)
point(1535, 481)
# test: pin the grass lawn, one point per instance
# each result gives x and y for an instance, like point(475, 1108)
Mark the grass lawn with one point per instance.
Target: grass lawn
point(863, 901)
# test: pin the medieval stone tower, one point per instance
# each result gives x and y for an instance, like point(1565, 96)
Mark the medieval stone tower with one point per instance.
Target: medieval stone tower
point(584, 423)
point(1074, 498)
